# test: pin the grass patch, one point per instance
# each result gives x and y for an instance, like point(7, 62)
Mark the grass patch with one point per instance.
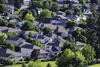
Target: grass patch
point(43, 64)
point(96, 65)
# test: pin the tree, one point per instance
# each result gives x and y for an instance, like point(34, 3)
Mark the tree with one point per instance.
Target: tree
point(3, 22)
point(29, 17)
point(69, 45)
point(68, 12)
point(37, 43)
point(29, 26)
point(3, 8)
point(30, 34)
point(80, 35)
point(36, 4)
point(17, 3)
point(83, 2)
point(46, 5)
point(47, 30)
point(11, 46)
point(3, 37)
point(93, 28)
point(12, 34)
point(71, 59)
point(89, 53)
point(45, 14)
point(71, 24)
point(13, 25)
point(55, 7)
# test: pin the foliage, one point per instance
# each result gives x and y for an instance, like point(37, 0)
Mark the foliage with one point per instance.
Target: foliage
point(37, 43)
point(80, 35)
point(78, 11)
point(29, 17)
point(55, 7)
point(36, 4)
point(93, 28)
point(3, 8)
point(89, 53)
point(3, 22)
point(71, 59)
point(68, 12)
point(65, 6)
point(47, 30)
point(12, 34)
point(68, 45)
point(71, 24)
point(11, 46)
point(82, 24)
point(29, 26)
point(3, 37)
point(83, 2)
point(45, 14)
point(5, 61)
point(13, 25)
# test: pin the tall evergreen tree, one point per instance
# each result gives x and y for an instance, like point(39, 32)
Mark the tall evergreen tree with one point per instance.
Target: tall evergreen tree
point(93, 28)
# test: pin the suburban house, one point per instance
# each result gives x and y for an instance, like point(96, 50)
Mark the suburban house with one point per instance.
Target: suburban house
point(15, 40)
point(7, 53)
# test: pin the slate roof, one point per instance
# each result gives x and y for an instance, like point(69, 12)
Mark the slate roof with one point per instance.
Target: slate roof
point(8, 52)
point(15, 38)
point(27, 46)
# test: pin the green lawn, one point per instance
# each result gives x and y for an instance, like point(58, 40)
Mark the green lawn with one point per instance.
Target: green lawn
point(43, 64)
point(96, 65)
point(53, 63)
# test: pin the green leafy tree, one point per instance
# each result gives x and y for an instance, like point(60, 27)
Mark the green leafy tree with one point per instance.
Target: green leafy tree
point(69, 45)
point(29, 26)
point(12, 34)
point(89, 53)
point(3, 22)
point(71, 59)
point(46, 5)
point(11, 46)
point(93, 28)
point(36, 4)
point(3, 37)
point(55, 7)
point(83, 2)
point(3, 8)
point(37, 43)
point(45, 14)
point(68, 12)
point(29, 17)
point(13, 25)
point(47, 30)
point(71, 24)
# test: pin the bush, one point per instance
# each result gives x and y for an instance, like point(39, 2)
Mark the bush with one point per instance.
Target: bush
point(68, 12)
point(6, 61)
point(13, 25)
point(3, 22)
point(12, 34)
